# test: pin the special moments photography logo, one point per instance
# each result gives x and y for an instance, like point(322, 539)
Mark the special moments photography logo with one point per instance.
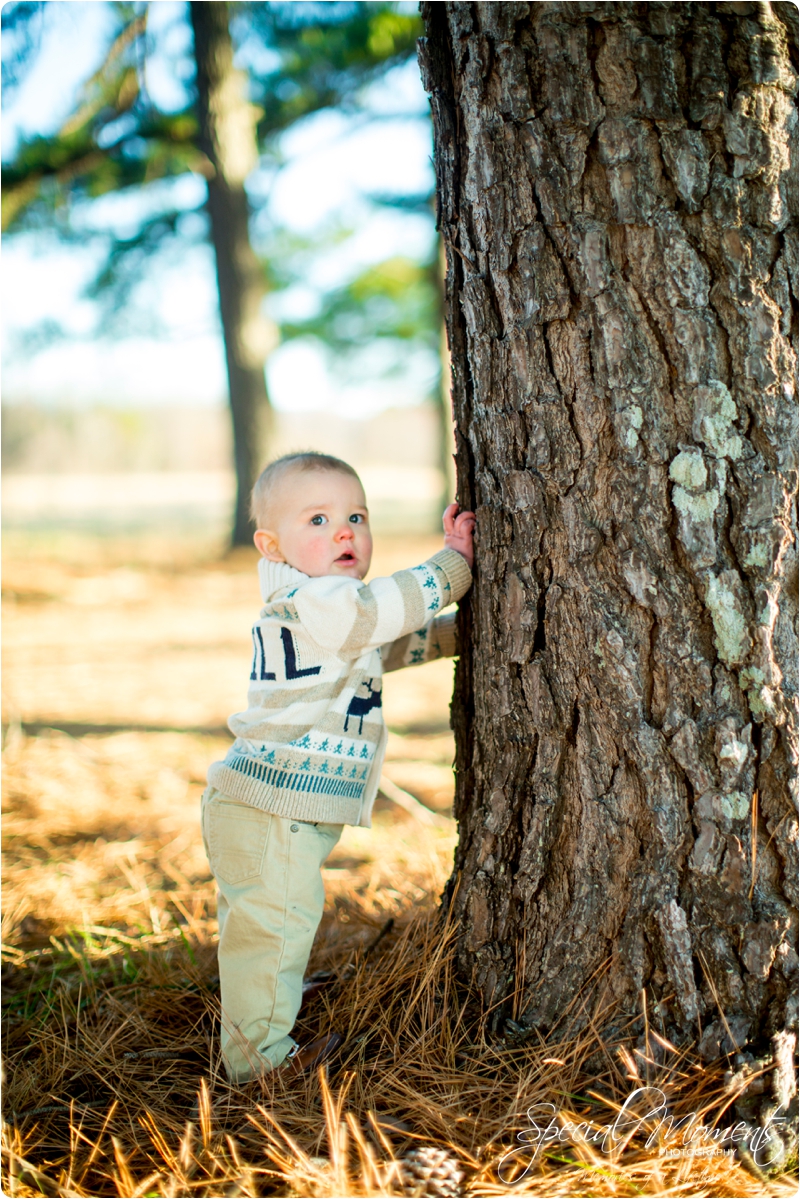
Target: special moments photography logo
point(644, 1113)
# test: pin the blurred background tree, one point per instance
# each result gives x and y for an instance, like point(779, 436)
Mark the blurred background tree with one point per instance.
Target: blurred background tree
point(258, 70)
point(386, 306)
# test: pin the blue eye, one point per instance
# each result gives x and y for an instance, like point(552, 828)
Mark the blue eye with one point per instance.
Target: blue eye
point(356, 519)
point(318, 520)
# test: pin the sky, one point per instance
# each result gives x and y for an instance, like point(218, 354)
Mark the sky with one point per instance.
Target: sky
point(330, 163)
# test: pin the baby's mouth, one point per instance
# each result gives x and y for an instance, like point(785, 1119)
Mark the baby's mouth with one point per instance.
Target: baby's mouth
point(346, 558)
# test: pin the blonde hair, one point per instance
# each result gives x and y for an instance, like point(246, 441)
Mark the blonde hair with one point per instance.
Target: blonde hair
point(307, 460)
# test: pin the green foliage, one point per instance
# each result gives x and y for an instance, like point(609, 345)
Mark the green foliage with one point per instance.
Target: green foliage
point(324, 55)
point(114, 140)
point(321, 57)
point(393, 299)
point(21, 25)
point(301, 59)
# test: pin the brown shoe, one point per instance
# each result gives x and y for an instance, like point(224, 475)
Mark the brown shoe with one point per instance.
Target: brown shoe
point(314, 1054)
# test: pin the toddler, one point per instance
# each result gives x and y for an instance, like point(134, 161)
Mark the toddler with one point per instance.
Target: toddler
point(309, 747)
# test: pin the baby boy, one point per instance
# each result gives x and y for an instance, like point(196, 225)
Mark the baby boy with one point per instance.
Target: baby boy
point(309, 747)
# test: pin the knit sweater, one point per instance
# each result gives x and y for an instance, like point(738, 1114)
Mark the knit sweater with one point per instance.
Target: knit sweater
point(311, 742)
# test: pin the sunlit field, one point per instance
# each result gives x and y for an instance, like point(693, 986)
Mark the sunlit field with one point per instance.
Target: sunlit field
point(123, 659)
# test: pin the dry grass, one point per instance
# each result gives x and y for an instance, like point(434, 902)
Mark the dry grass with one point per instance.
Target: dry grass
point(114, 1085)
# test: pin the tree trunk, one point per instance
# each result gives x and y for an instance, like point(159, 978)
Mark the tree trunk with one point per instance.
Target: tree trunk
point(615, 188)
point(227, 137)
point(441, 398)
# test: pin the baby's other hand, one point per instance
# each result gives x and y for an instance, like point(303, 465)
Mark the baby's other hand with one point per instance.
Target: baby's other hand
point(458, 529)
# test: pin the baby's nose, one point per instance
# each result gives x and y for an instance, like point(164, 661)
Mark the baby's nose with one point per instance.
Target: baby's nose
point(345, 531)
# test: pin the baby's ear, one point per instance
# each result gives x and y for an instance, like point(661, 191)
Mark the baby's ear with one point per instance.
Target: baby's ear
point(267, 545)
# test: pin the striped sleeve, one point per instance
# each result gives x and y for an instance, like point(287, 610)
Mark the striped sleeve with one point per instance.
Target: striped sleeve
point(349, 617)
point(436, 640)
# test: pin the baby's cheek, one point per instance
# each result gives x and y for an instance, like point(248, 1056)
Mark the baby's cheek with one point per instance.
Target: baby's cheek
point(312, 556)
point(321, 547)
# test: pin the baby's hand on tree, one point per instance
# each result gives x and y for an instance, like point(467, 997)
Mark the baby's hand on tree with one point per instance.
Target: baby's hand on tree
point(458, 529)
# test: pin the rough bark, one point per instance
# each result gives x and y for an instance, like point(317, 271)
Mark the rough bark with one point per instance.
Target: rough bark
point(227, 138)
point(442, 399)
point(616, 196)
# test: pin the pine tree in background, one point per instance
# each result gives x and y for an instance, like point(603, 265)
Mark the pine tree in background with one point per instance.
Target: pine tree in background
point(118, 140)
point(227, 137)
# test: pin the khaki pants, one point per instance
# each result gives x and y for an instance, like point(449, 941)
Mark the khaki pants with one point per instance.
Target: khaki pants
point(270, 903)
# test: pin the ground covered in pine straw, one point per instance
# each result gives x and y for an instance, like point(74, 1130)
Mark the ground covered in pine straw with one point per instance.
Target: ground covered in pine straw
point(113, 1086)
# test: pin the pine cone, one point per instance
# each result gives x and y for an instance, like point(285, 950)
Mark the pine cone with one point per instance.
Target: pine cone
point(430, 1171)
